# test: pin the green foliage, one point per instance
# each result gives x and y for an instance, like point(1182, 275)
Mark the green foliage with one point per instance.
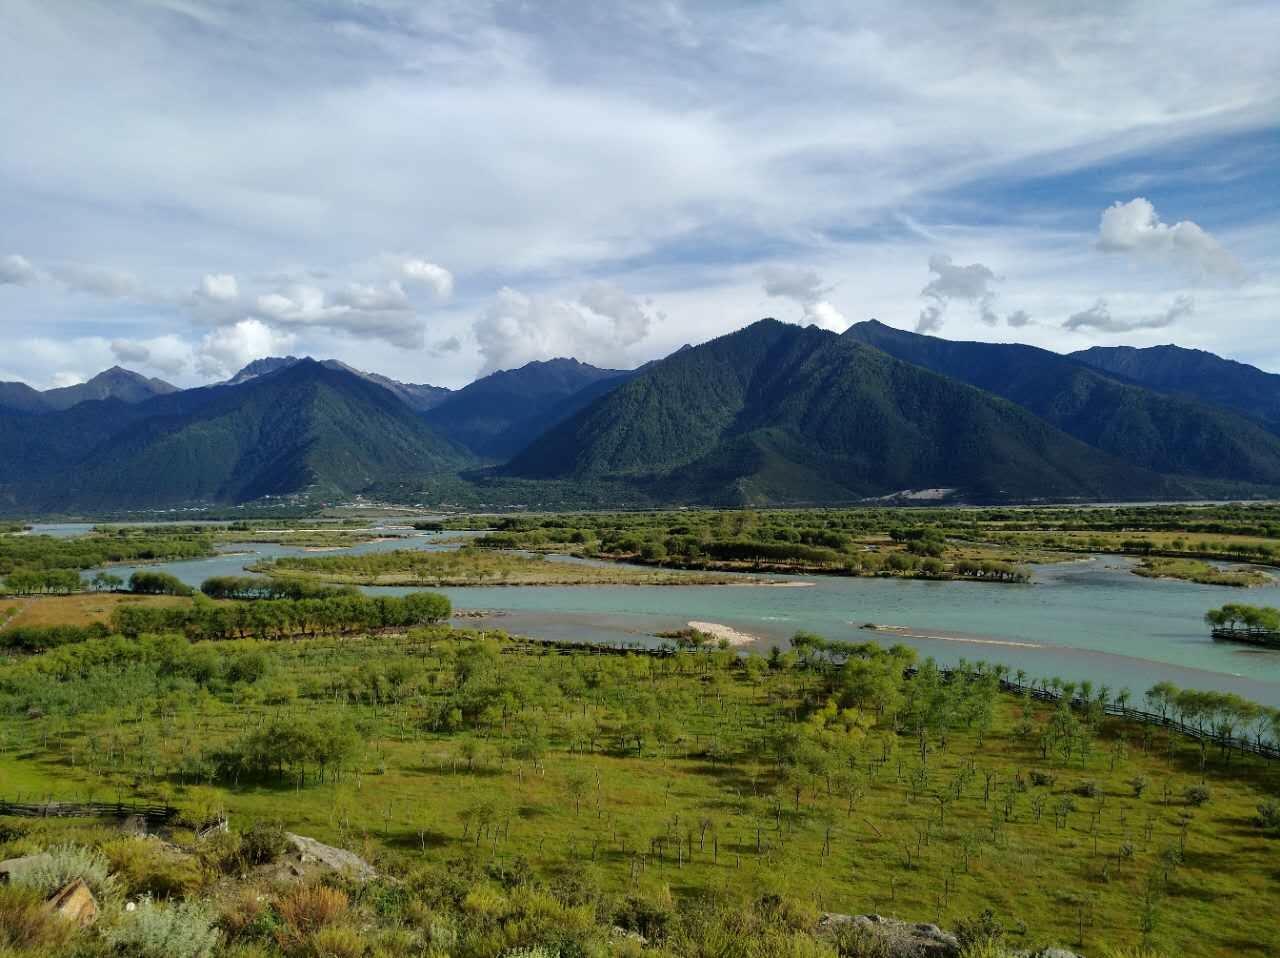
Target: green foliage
point(156, 930)
point(63, 863)
point(157, 583)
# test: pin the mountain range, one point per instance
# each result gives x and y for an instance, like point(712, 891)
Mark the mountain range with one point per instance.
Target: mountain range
point(771, 414)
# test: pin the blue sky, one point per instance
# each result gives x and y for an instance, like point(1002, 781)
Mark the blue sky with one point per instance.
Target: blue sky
point(432, 191)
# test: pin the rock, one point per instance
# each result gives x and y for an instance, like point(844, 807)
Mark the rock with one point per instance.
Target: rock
point(74, 902)
point(336, 859)
point(903, 939)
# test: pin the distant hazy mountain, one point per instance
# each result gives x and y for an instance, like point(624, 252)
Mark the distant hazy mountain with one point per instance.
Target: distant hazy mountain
point(500, 414)
point(1154, 430)
point(777, 413)
point(304, 428)
point(1195, 374)
point(419, 397)
point(113, 383)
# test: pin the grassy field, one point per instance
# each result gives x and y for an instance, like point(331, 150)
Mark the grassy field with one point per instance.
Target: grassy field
point(1193, 570)
point(701, 773)
point(80, 608)
point(472, 567)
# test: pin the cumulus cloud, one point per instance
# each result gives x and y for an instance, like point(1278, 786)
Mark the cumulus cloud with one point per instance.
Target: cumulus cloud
point(1135, 228)
point(168, 355)
point(222, 352)
point(1098, 318)
point(805, 288)
point(973, 284)
point(439, 279)
point(219, 288)
point(382, 312)
point(99, 281)
point(596, 327)
point(16, 270)
point(447, 346)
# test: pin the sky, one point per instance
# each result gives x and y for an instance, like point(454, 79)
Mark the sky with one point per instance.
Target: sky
point(433, 191)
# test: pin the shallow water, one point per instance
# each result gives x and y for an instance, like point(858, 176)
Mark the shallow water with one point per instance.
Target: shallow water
point(1089, 619)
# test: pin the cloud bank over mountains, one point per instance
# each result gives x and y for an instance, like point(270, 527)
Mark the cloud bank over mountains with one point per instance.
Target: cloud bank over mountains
point(431, 190)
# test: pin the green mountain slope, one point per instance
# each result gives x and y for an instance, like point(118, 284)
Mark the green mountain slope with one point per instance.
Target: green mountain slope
point(1195, 374)
point(1163, 433)
point(777, 413)
point(306, 428)
point(503, 412)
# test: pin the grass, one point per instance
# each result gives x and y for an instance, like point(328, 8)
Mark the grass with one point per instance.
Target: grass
point(1192, 570)
point(81, 608)
point(415, 792)
point(472, 567)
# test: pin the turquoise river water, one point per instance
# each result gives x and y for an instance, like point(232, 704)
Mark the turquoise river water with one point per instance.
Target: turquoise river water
point(1091, 619)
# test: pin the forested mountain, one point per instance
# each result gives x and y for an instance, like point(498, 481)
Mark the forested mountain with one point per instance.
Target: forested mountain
point(418, 396)
point(113, 383)
point(1154, 430)
point(500, 414)
point(780, 413)
point(304, 428)
point(1193, 373)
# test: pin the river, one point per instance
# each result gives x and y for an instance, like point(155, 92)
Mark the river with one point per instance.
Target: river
point(1090, 619)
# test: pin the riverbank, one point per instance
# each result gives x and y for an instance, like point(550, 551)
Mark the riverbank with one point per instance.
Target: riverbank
point(1192, 570)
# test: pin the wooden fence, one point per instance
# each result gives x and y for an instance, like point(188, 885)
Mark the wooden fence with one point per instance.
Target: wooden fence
point(152, 814)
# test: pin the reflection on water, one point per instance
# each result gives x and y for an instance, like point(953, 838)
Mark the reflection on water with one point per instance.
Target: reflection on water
point(1087, 619)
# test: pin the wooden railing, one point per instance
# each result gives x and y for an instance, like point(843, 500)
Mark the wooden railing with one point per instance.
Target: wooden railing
point(153, 814)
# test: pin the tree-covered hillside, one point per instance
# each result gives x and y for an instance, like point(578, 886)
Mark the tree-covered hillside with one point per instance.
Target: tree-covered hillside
point(779, 413)
point(1156, 431)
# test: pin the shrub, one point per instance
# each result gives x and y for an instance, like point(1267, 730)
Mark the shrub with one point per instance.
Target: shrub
point(1043, 779)
point(855, 940)
point(310, 907)
point(25, 922)
point(982, 929)
point(247, 914)
point(263, 842)
point(1268, 814)
point(165, 931)
point(146, 867)
point(62, 864)
point(338, 941)
point(1089, 789)
point(1196, 795)
point(1139, 784)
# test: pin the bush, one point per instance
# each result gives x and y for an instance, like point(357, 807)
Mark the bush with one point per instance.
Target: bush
point(336, 942)
point(25, 922)
point(1089, 789)
point(1043, 779)
point(1197, 795)
point(263, 842)
point(165, 931)
point(1268, 814)
point(854, 940)
point(1139, 784)
point(308, 908)
point(146, 867)
point(982, 929)
point(62, 864)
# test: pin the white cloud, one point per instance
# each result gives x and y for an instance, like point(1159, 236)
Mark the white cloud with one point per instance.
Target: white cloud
point(225, 351)
point(1098, 318)
point(219, 288)
point(16, 270)
point(447, 346)
point(168, 355)
point(439, 279)
point(99, 281)
point(598, 327)
point(357, 310)
point(805, 288)
point(972, 283)
point(1135, 228)
point(1018, 318)
point(65, 378)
